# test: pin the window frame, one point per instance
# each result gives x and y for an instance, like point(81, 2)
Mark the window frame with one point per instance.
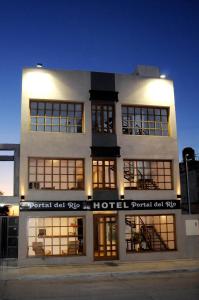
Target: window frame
point(103, 183)
point(167, 232)
point(102, 104)
point(145, 118)
point(59, 174)
point(150, 176)
point(59, 236)
point(59, 116)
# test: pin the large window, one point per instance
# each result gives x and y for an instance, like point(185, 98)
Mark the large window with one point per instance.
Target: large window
point(56, 116)
point(55, 236)
point(147, 175)
point(145, 120)
point(56, 174)
point(104, 174)
point(150, 233)
point(102, 118)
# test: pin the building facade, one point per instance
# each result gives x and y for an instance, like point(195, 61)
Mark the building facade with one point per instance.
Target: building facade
point(99, 170)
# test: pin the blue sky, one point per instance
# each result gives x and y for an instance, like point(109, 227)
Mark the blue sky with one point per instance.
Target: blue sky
point(112, 36)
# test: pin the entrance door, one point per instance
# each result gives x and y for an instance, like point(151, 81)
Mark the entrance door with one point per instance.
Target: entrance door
point(9, 237)
point(105, 237)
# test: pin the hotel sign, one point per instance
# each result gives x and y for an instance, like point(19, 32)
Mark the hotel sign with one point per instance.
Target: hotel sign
point(98, 205)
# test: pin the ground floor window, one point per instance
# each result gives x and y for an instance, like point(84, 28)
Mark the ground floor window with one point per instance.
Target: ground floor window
point(150, 233)
point(55, 236)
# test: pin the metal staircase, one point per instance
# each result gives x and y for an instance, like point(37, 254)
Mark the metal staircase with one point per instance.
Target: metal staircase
point(157, 243)
point(142, 182)
point(128, 176)
point(147, 235)
point(147, 184)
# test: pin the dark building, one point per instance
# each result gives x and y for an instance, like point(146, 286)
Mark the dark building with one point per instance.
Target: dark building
point(189, 173)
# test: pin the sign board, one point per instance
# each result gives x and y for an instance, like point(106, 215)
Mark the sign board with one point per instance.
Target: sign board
point(98, 205)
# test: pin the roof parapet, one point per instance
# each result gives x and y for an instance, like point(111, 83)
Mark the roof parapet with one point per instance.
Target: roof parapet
point(147, 71)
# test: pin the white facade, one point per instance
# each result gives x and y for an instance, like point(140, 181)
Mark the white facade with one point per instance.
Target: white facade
point(74, 86)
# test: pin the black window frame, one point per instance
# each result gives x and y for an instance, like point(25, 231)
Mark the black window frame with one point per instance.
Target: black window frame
point(145, 120)
point(56, 116)
point(99, 111)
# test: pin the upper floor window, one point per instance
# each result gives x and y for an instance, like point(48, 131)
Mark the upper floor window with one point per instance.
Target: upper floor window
point(56, 174)
point(56, 116)
point(147, 175)
point(104, 174)
point(102, 118)
point(145, 120)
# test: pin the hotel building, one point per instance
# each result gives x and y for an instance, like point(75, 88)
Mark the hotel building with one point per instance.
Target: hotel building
point(99, 170)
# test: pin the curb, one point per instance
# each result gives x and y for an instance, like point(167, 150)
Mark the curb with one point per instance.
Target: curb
point(107, 275)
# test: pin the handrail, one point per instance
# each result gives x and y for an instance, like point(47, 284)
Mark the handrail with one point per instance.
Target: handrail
point(148, 236)
point(159, 236)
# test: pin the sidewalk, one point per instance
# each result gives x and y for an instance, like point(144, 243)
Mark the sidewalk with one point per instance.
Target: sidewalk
point(107, 269)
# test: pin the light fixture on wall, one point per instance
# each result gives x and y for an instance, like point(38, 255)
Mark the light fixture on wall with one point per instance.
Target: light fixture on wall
point(162, 76)
point(39, 65)
point(22, 197)
point(89, 197)
point(122, 197)
point(179, 196)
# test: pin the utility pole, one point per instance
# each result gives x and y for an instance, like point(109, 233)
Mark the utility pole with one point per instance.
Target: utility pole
point(187, 178)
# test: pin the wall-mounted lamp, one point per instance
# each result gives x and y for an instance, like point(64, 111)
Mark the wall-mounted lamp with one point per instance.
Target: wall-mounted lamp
point(89, 197)
point(179, 196)
point(122, 197)
point(39, 65)
point(22, 197)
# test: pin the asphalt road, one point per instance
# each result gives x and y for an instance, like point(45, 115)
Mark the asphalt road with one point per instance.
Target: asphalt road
point(170, 286)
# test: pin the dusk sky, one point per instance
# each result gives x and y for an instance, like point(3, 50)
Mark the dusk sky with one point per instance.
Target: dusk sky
point(98, 35)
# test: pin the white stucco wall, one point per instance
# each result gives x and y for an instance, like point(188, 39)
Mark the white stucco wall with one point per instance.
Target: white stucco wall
point(136, 90)
point(54, 85)
point(74, 86)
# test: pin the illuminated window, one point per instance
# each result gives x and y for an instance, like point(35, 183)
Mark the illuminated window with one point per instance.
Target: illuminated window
point(104, 174)
point(56, 116)
point(150, 233)
point(55, 236)
point(145, 120)
point(56, 174)
point(102, 118)
point(147, 175)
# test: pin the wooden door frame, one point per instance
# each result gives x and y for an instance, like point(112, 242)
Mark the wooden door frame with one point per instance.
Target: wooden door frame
point(95, 217)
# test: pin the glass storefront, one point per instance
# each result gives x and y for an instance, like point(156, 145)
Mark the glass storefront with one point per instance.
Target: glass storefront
point(65, 236)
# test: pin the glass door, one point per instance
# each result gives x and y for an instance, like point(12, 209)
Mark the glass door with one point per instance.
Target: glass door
point(105, 237)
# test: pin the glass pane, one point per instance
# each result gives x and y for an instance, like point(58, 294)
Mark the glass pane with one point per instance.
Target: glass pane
point(49, 106)
point(41, 105)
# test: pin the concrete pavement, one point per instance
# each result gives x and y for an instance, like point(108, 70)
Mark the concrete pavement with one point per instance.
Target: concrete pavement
point(106, 269)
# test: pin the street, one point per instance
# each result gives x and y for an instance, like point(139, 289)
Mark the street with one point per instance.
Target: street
point(163, 286)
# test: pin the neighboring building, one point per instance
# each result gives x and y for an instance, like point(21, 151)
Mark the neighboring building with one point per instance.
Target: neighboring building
point(99, 170)
point(192, 173)
point(9, 205)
